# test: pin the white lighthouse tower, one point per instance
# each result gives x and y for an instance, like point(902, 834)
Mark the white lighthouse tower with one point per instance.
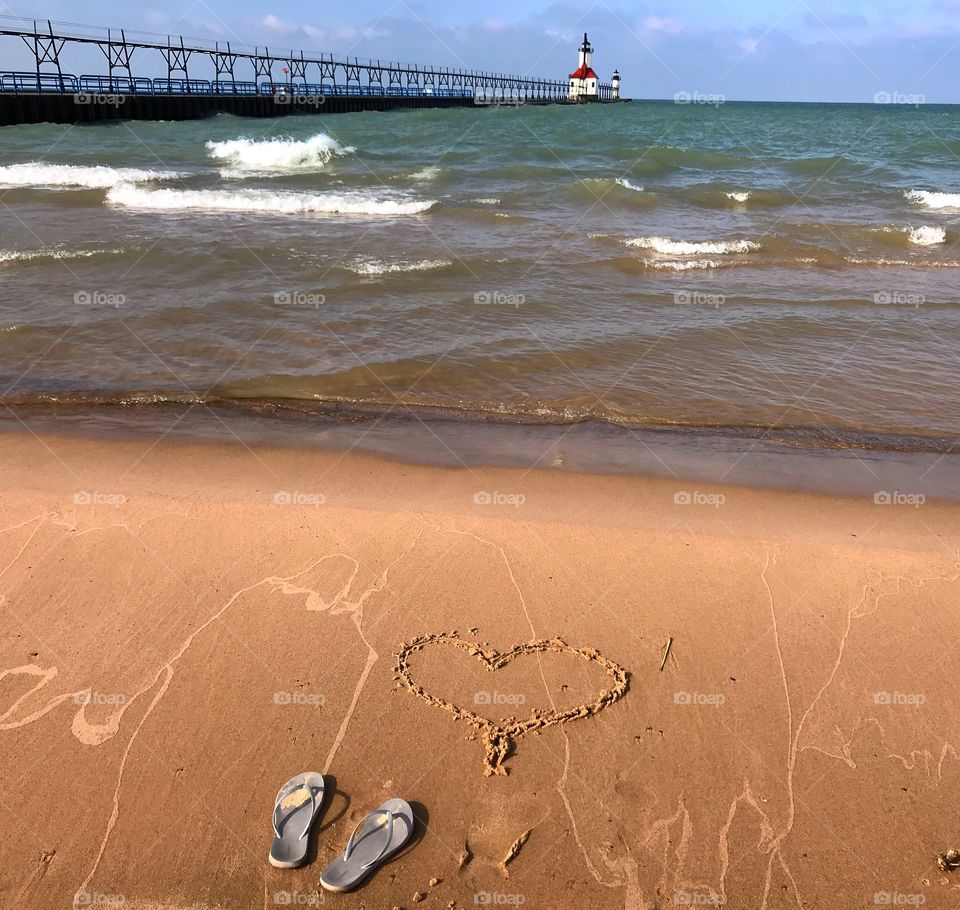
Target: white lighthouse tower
point(583, 80)
point(615, 85)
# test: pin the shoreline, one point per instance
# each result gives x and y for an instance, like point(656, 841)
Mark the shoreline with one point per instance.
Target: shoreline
point(442, 438)
point(221, 639)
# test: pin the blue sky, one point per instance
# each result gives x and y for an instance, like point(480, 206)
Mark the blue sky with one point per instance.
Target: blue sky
point(845, 50)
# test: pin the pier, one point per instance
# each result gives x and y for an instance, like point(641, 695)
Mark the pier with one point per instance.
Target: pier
point(238, 80)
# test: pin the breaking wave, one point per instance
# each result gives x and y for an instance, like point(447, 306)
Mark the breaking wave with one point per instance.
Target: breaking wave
point(374, 267)
point(669, 247)
point(278, 154)
point(934, 200)
point(94, 177)
point(128, 195)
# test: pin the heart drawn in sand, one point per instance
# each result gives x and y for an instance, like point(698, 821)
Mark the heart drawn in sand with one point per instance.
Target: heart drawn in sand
point(499, 736)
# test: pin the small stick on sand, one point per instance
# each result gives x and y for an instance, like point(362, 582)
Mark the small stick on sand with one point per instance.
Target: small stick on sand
point(666, 653)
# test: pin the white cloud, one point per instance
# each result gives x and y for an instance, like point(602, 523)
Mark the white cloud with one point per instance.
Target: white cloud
point(749, 45)
point(276, 24)
point(661, 24)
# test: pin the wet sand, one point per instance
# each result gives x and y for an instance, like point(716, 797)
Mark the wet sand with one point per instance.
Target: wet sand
point(185, 627)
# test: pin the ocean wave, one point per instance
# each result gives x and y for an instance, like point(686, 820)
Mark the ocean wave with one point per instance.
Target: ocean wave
point(488, 200)
point(374, 267)
point(425, 175)
point(669, 247)
point(883, 262)
point(739, 197)
point(55, 254)
point(263, 202)
point(934, 200)
point(686, 265)
point(926, 235)
point(277, 154)
point(94, 177)
point(627, 185)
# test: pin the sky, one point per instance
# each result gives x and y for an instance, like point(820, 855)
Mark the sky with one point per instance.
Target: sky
point(764, 50)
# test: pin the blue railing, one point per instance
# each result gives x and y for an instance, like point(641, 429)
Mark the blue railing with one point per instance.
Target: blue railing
point(52, 83)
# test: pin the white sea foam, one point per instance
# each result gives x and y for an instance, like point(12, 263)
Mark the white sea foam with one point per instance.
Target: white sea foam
point(488, 200)
point(373, 267)
point(686, 265)
point(739, 197)
point(244, 155)
point(263, 201)
point(94, 177)
point(426, 174)
point(40, 255)
point(626, 184)
point(669, 247)
point(927, 235)
point(904, 263)
point(934, 200)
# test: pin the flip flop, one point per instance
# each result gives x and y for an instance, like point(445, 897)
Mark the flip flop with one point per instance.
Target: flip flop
point(378, 837)
point(298, 804)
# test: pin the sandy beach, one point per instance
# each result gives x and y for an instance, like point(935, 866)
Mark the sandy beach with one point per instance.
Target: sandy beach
point(188, 626)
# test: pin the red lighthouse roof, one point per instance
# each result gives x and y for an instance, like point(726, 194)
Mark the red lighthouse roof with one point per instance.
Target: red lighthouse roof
point(585, 72)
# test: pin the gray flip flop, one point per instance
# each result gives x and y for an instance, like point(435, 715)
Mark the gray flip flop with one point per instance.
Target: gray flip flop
point(378, 837)
point(294, 812)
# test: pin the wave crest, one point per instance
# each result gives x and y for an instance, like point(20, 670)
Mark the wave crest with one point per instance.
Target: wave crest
point(277, 154)
point(669, 247)
point(94, 177)
point(262, 202)
point(934, 200)
point(370, 268)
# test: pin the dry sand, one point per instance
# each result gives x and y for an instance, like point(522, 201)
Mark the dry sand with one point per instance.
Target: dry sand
point(234, 617)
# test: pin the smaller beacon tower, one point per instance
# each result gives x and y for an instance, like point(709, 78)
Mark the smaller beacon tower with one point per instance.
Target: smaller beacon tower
point(615, 85)
point(583, 80)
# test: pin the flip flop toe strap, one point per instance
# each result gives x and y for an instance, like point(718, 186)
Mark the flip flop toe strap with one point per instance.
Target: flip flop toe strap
point(352, 842)
point(289, 790)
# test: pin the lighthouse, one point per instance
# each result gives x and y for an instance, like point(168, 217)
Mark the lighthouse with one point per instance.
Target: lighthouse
point(615, 85)
point(583, 80)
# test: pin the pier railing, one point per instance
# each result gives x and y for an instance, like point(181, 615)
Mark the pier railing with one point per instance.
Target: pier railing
point(304, 73)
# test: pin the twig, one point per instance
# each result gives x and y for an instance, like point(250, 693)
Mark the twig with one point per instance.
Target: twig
point(666, 653)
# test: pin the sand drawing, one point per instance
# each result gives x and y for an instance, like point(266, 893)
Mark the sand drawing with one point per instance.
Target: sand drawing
point(499, 737)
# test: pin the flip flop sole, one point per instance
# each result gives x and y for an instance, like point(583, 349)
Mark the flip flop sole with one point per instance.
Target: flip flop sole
point(348, 873)
point(299, 812)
